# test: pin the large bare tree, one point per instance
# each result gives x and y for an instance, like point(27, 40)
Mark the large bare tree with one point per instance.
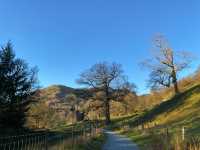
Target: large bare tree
point(165, 64)
point(109, 79)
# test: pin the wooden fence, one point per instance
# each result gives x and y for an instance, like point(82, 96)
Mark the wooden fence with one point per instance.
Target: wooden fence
point(24, 142)
point(51, 141)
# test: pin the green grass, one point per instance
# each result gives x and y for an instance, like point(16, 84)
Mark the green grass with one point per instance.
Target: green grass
point(139, 138)
point(94, 143)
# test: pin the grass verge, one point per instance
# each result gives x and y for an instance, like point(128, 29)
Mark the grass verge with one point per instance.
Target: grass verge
point(95, 143)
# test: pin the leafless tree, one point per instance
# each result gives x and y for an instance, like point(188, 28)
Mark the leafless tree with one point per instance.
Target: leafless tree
point(165, 64)
point(106, 78)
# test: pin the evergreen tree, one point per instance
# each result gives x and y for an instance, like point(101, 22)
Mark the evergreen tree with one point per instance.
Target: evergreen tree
point(17, 82)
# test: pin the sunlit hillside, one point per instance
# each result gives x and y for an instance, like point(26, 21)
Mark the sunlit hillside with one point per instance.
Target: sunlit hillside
point(181, 111)
point(167, 118)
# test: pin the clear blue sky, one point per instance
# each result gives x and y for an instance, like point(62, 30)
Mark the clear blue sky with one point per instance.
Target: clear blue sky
point(64, 37)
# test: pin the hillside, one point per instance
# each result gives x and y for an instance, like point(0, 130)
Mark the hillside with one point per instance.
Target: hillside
point(52, 105)
point(156, 97)
point(60, 92)
point(165, 121)
point(58, 100)
point(181, 110)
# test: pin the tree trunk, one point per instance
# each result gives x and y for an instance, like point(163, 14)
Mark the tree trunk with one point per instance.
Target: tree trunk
point(107, 106)
point(107, 112)
point(176, 89)
point(175, 83)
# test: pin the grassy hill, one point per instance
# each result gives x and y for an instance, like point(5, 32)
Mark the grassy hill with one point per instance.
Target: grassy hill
point(181, 110)
point(166, 118)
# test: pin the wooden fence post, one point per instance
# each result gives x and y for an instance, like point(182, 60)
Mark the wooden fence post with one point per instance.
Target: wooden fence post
point(183, 133)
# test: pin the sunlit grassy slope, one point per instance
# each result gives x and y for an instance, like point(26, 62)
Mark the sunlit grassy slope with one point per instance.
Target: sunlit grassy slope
point(181, 110)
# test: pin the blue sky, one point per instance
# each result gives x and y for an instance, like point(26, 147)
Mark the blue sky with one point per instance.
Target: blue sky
point(64, 37)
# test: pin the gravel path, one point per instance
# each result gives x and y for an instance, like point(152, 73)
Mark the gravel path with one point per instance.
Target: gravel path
point(118, 142)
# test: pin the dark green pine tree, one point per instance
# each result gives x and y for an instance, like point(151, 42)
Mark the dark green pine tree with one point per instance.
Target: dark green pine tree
point(17, 82)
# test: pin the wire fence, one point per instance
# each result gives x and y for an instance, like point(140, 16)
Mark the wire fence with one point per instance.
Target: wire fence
point(164, 136)
point(44, 140)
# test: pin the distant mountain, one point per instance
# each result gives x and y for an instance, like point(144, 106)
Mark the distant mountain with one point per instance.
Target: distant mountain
point(56, 91)
point(60, 93)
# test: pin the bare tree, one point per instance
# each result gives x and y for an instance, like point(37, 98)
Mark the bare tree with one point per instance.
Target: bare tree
point(166, 64)
point(106, 78)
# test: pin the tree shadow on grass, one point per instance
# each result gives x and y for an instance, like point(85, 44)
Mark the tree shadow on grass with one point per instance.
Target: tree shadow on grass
point(166, 106)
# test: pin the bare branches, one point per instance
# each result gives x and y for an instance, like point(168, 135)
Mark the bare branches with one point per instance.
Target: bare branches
point(159, 78)
point(100, 75)
point(107, 79)
point(166, 64)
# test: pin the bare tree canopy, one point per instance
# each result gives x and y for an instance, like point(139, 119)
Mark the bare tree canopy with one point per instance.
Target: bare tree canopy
point(101, 74)
point(165, 64)
point(109, 79)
